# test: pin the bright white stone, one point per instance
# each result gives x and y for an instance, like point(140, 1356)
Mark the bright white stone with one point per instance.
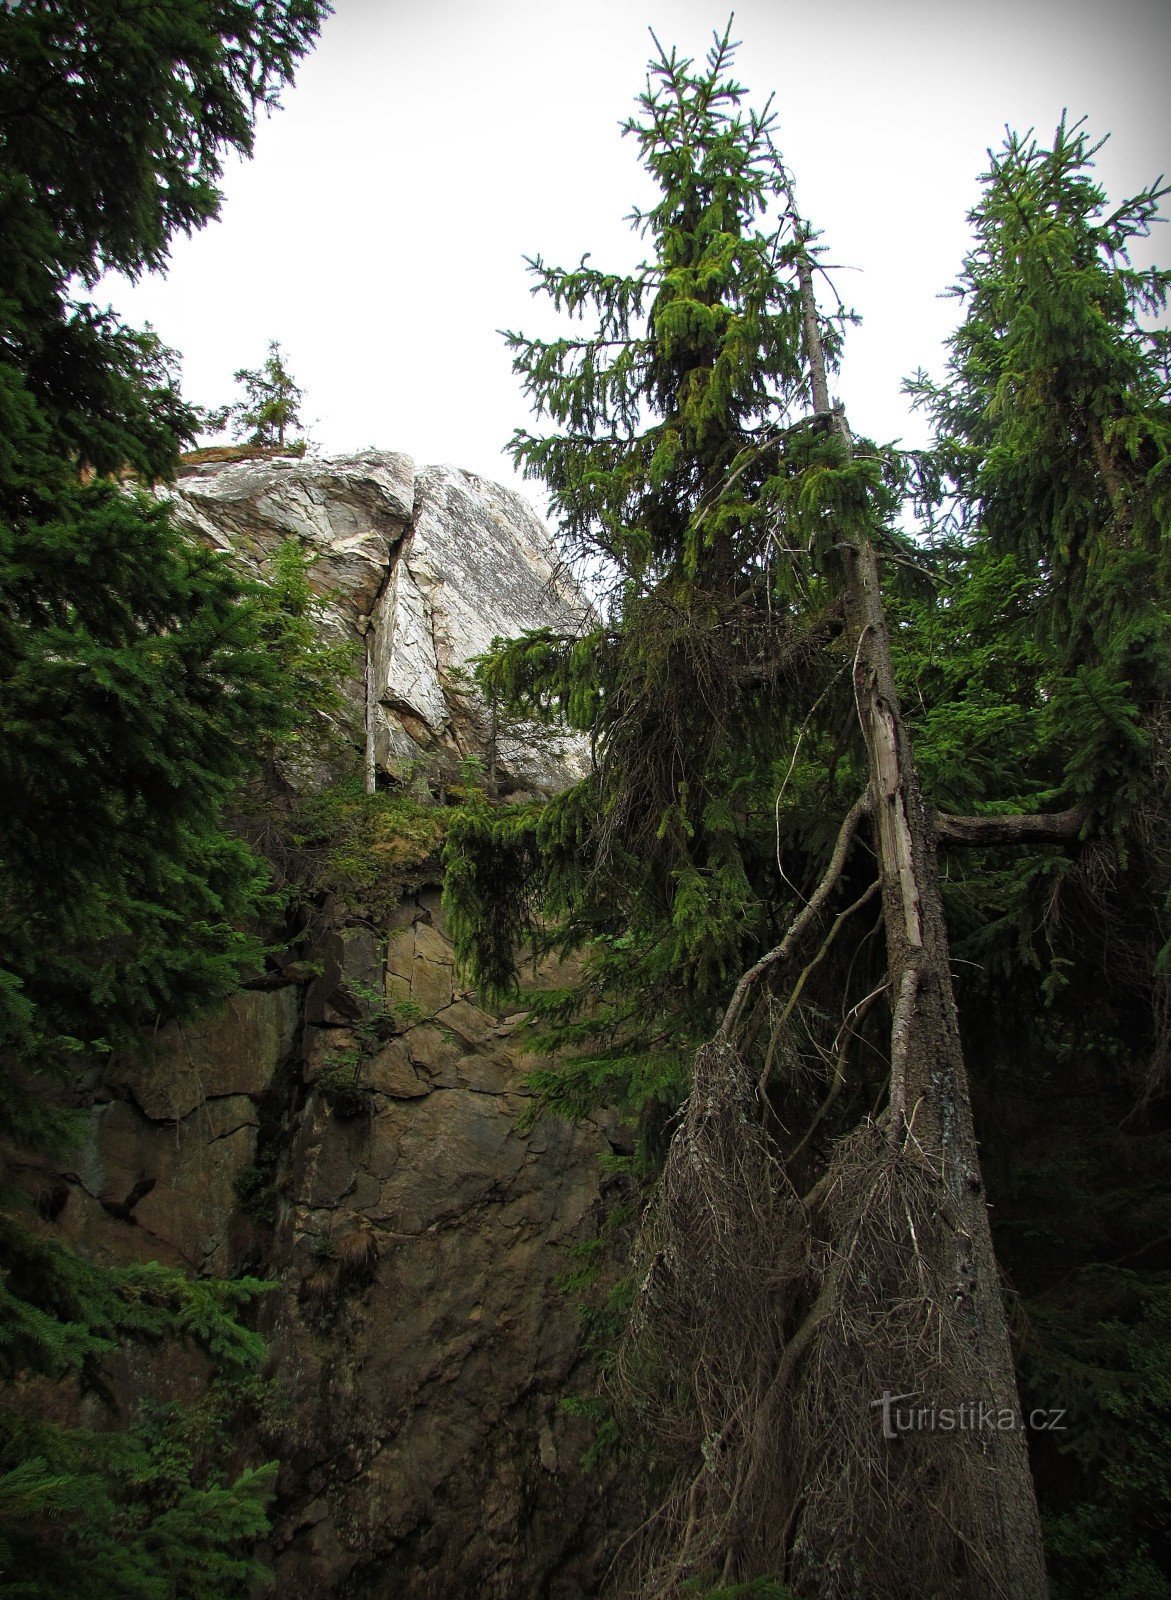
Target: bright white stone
point(428, 566)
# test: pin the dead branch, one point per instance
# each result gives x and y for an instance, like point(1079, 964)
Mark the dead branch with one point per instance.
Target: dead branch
point(797, 645)
point(810, 967)
point(1058, 827)
point(840, 1051)
point(782, 951)
point(899, 1037)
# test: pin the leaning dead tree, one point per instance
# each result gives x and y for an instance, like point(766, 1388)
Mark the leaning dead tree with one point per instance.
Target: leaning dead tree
point(840, 1357)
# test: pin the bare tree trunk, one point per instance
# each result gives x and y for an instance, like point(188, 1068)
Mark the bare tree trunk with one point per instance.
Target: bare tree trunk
point(930, 1103)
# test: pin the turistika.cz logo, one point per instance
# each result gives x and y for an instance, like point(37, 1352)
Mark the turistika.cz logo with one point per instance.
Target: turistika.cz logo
point(970, 1416)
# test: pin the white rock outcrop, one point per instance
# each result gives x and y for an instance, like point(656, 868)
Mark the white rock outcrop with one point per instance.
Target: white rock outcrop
point(424, 566)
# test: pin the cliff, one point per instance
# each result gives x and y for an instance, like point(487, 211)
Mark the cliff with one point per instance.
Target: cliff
point(421, 568)
point(415, 1228)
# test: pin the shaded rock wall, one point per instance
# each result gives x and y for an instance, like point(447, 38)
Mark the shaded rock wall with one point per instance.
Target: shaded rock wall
point(420, 1323)
point(172, 1129)
point(420, 1346)
point(414, 1228)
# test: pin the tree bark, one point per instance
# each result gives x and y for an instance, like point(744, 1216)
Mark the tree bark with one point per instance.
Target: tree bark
point(1057, 827)
point(930, 1101)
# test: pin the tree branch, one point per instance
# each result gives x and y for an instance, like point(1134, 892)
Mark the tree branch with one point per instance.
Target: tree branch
point(1059, 827)
point(801, 922)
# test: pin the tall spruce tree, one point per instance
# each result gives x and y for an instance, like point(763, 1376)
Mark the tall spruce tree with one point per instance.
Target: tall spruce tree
point(819, 1235)
point(140, 684)
point(1042, 680)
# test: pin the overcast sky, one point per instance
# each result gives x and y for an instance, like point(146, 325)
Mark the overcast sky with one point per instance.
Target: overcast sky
point(379, 231)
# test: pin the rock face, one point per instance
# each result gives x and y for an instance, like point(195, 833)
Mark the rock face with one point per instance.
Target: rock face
point(416, 1232)
point(420, 1323)
point(175, 1128)
point(420, 569)
point(352, 1127)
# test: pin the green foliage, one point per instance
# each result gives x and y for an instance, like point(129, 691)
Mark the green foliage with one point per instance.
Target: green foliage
point(1106, 1341)
point(679, 463)
point(133, 711)
point(154, 1511)
point(60, 1311)
point(407, 1012)
point(154, 98)
point(1041, 675)
point(143, 686)
point(343, 1091)
point(606, 1440)
point(490, 861)
point(1036, 673)
point(141, 682)
point(472, 769)
point(115, 126)
point(341, 1084)
point(1045, 668)
point(365, 848)
point(702, 340)
point(1054, 437)
point(271, 406)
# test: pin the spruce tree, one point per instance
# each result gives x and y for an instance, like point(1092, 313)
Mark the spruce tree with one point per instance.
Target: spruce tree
point(1052, 437)
point(271, 407)
point(1043, 681)
point(819, 1235)
point(141, 684)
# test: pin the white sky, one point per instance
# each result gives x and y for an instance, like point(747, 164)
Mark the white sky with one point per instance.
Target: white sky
point(379, 231)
